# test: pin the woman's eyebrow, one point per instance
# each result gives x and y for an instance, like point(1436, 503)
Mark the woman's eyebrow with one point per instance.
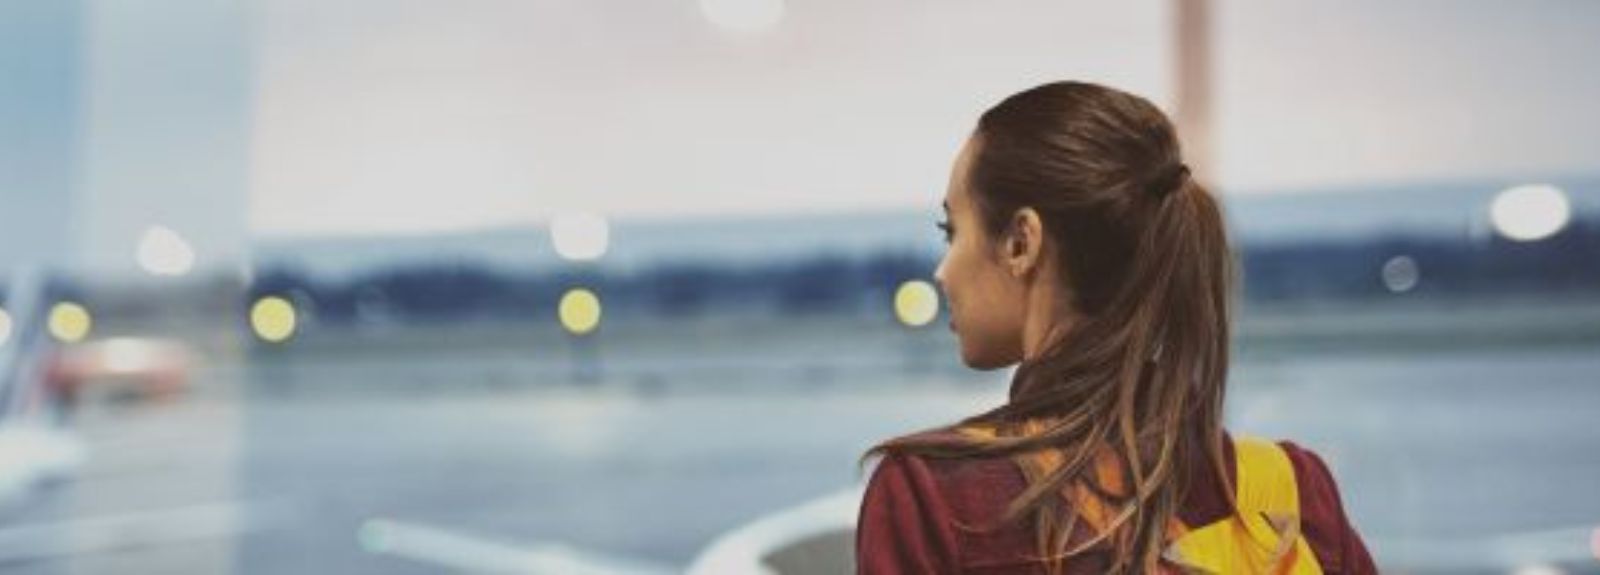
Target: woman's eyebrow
point(946, 205)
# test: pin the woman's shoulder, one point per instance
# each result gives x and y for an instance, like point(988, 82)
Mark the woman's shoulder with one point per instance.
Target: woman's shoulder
point(977, 490)
point(934, 510)
point(976, 485)
point(968, 486)
point(964, 487)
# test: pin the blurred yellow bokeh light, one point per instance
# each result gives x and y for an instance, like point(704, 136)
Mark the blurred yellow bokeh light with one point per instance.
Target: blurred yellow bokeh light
point(273, 319)
point(70, 322)
point(916, 303)
point(579, 311)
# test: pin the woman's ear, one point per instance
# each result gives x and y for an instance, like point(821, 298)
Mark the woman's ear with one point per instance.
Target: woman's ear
point(1024, 242)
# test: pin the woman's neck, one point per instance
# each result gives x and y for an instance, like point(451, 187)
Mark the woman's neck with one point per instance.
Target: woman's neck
point(1047, 319)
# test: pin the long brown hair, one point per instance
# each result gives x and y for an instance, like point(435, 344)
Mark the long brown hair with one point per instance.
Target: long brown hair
point(1142, 374)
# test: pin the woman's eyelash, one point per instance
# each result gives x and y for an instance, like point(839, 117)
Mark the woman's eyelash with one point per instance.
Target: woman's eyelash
point(944, 226)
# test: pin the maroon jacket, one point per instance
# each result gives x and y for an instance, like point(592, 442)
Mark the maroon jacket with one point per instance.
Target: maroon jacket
point(913, 506)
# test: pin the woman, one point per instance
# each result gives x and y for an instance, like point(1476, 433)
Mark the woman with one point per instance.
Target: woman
point(1080, 247)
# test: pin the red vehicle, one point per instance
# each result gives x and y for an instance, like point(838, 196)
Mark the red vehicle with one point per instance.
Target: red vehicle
point(119, 369)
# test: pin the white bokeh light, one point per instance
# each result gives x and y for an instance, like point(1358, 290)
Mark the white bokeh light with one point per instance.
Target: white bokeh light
point(580, 236)
point(1400, 274)
point(743, 16)
point(1529, 213)
point(163, 252)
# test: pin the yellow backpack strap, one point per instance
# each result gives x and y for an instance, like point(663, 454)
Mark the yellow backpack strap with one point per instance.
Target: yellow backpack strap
point(1264, 536)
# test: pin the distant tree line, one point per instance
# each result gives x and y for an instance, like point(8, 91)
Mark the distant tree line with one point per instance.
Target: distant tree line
point(1567, 263)
point(1309, 271)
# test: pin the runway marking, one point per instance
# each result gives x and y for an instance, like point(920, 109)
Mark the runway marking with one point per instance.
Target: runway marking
point(475, 554)
point(121, 532)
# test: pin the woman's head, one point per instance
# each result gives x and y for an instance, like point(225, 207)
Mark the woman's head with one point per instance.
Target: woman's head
point(1082, 248)
point(1045, 208)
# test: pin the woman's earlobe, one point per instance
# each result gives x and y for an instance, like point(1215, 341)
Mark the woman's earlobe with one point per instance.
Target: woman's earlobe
point(1016, 255)
point(1021, 264)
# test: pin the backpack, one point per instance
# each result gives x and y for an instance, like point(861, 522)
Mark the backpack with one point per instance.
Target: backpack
point(1264, 536)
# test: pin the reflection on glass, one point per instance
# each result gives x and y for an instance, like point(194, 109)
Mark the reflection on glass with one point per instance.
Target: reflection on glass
point(5, 327)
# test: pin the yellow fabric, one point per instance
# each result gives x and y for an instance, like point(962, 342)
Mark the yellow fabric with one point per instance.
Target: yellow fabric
point(1264, 536)
point(1036, 464)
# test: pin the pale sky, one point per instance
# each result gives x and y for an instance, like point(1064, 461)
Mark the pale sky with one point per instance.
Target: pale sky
point(373, 115)
point(1336, 94)
point(229, 121)
point(455, 114)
